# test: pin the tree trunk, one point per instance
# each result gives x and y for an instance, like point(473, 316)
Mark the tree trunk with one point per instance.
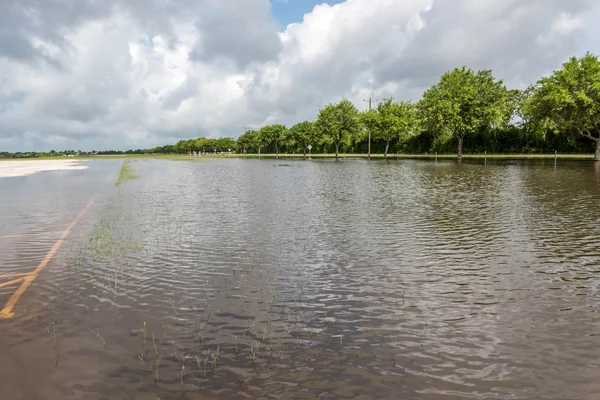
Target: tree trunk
point(460, 146)
point(258, 151)
point(387, 147)
point(276, 152)
point(369, 146)
point(589, 135)
point(337, 146)
point(304, 151)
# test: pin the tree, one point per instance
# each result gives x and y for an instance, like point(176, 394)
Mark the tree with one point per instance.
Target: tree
point(463, 103)
point(531, 130)
point(224, 144)
point(391, 120)
point(201, 144)
point(569, 99)
point(254, 139)
point(243, 142)
point(304, 133)
point(274, 135)
point(338, 121)
point(185, 146)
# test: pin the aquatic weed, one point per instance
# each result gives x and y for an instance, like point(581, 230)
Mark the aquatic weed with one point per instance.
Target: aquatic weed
point(126, 173)
point(99, 337)
point(156, 369)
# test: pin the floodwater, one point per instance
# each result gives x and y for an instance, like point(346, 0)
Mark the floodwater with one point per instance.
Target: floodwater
point(238, 279)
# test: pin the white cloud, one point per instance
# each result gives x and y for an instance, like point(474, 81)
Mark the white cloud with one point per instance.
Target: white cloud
point(564, 25)
point(128, 74)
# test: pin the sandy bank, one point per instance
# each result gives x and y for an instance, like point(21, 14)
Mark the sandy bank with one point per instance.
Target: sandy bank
point(30, 167)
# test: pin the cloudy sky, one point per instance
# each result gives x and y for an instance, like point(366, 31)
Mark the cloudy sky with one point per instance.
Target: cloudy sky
point(89, 74)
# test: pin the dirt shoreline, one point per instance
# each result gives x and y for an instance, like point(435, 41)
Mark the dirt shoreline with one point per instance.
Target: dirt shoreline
point(9, 169)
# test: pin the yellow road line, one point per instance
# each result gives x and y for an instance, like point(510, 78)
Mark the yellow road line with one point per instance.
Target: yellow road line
point(11, 282)
point(30, 234)
point(13, 275)
point(7, 310)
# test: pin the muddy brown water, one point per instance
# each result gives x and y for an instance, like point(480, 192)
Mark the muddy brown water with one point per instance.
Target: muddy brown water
point(302, 280)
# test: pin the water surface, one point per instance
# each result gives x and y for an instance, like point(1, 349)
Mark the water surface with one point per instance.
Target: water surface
point(320, 279)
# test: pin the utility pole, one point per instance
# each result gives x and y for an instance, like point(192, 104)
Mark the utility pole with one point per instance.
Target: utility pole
point(369, 145)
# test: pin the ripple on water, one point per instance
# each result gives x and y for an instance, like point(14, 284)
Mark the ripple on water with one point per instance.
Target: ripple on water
point(343, 280)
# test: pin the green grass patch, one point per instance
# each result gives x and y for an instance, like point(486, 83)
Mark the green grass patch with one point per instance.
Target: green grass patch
point(126, 173)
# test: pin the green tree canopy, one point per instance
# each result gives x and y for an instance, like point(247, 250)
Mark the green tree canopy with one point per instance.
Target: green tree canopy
point(224, 144)
point(254, 139)
point(202, 144)
point(183, 146)
point(391, 120)
point(243, 142)
point(275, 135)
point(339, 121)
point(464, 102)
point(304, 133)
point(569, 99)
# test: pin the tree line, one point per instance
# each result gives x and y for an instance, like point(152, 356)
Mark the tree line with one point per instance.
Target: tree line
point(466, 111)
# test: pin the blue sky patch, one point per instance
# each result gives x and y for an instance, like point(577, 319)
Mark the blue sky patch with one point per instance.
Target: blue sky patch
point(289, 11)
